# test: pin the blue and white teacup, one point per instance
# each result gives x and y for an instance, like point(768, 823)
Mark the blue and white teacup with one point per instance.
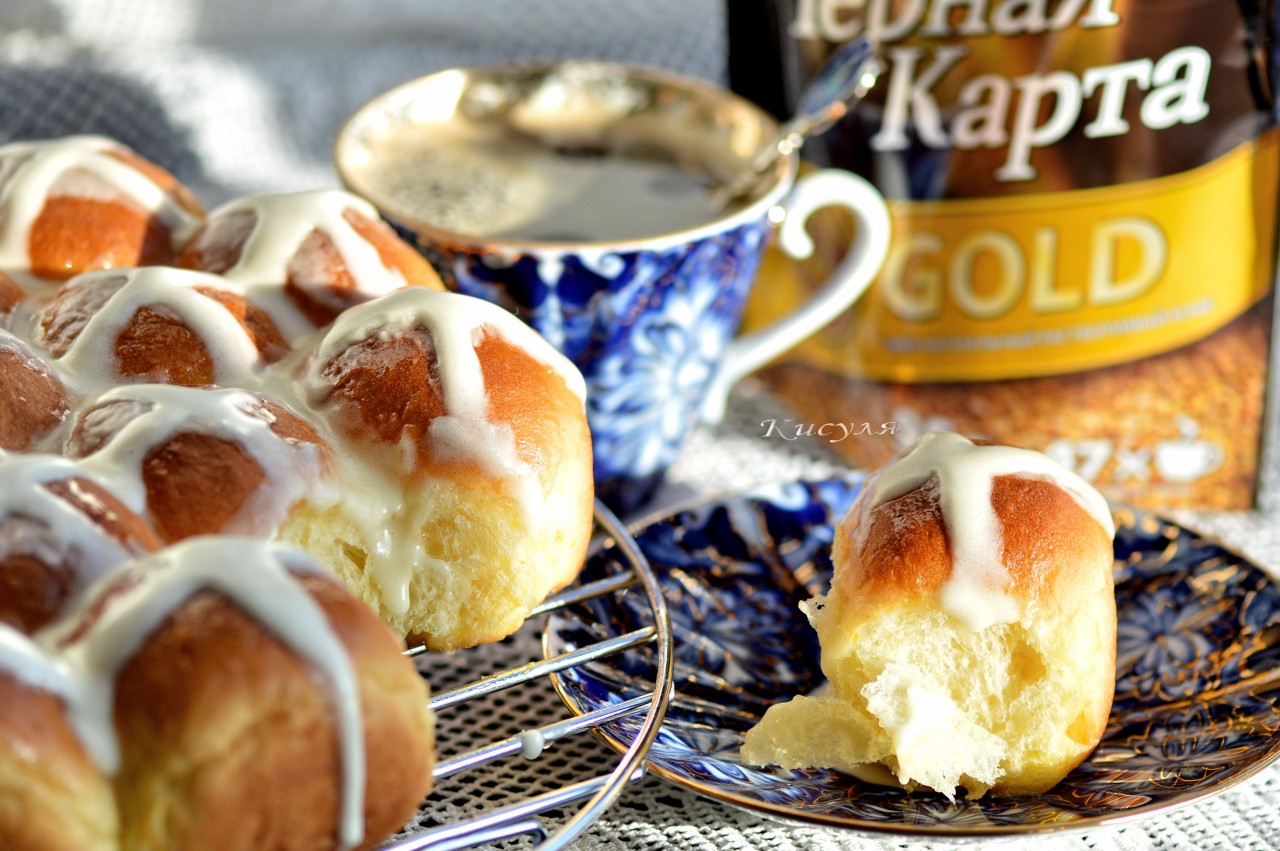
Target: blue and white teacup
point(578, 195)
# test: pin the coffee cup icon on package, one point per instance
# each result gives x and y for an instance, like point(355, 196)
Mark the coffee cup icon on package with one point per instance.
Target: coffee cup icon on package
point(1188, 458)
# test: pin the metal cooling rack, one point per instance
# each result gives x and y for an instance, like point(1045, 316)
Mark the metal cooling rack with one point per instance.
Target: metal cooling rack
point(592, 794)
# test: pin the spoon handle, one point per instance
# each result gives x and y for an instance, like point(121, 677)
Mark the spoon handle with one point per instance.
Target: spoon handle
point(839, 83)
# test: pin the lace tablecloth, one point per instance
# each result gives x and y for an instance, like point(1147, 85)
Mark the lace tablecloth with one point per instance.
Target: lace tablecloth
point(240, 96)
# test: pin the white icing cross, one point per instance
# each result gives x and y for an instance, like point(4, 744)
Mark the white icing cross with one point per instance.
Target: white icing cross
point(256, 576)
point(282, 222)
point(976, 592)
point(466, 430)
point(44, 163)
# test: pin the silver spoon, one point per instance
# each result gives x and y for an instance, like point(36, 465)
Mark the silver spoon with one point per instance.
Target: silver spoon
point(839, 83)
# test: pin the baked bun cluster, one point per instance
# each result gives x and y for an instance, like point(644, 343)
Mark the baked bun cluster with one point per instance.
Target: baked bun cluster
point(969, 633)
point(287, 380)
point(223, 693)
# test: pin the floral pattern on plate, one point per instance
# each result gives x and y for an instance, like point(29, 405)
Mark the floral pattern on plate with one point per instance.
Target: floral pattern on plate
point(1197, 682)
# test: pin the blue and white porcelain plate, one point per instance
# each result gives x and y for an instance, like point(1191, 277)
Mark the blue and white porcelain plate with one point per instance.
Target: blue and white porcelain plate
point(1197, 681)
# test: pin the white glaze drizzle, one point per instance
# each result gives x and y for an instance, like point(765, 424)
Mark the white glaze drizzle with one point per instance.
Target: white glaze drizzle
point(33, 666)
point(454, 320)
point(397, 542)
point(10, 342)
point(293, 469)
point(282, 222)
point(976, 592)
point(91, 357)
point(43, 164)
point(456, 323)
point(257, 577)
point(62, 529)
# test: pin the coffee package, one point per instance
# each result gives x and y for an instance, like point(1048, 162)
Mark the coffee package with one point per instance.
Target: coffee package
point(1083, 195)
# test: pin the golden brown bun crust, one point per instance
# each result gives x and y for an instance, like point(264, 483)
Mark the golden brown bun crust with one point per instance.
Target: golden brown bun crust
point(322, 304)
point(399, 741)
point(211, 682)
point(396, 254)
point(75, 234)
point(32, 401)
point(60, 322)
point(97, 424)
point(195, 483)
point(1047, 537)
point(52, 797)
point(287, 425)
point(257, 325)
point(161, 177)
point(11, 295)
point(155, 345)
point(218, 246)
point(393, 392)
point(33, 592)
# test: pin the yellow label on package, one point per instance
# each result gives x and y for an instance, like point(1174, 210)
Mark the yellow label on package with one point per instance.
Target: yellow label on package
point(1034, 285)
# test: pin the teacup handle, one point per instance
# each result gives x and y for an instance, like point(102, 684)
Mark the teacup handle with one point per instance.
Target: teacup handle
point(818, 189)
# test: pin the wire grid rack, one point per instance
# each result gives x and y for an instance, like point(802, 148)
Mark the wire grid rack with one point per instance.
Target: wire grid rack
point(484, 716)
